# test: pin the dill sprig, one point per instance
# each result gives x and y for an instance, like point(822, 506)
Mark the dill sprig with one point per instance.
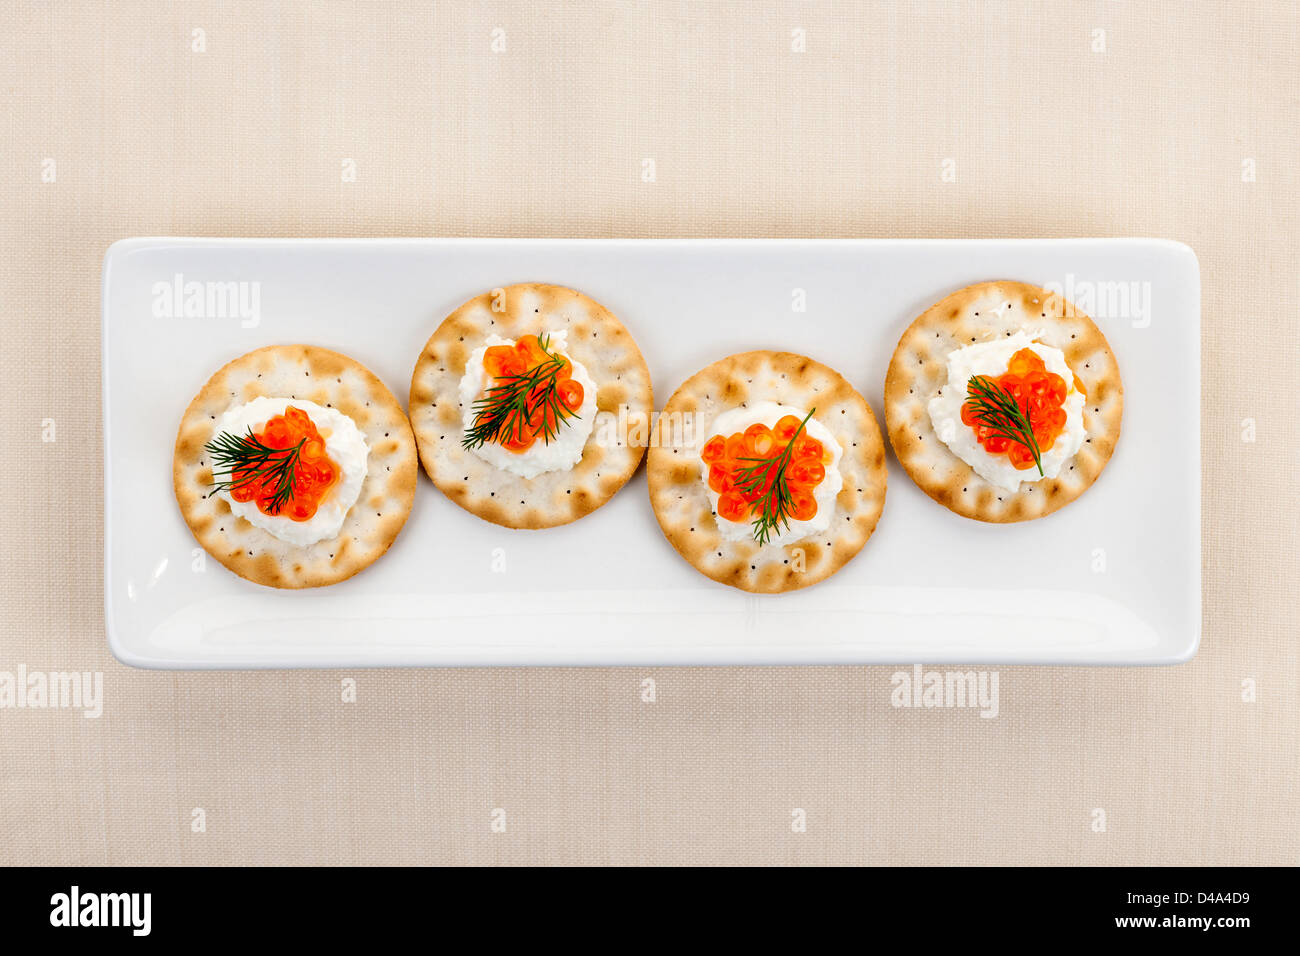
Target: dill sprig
point(244, 460)
point(997, 410)
point(777, 502)
point(504, 411)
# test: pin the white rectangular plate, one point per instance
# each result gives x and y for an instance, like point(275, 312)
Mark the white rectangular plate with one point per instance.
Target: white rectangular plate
point(1112, 579)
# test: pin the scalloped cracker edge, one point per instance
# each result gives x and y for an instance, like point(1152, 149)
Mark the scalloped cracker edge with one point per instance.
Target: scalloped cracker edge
point(680, 498)
point(624, 396)
point(919, 369)
point(372, 523)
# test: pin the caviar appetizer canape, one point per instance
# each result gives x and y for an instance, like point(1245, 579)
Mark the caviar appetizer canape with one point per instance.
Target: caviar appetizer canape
point(1003, 402)
point(531, 406)
point(767, 471)
point(295, 467)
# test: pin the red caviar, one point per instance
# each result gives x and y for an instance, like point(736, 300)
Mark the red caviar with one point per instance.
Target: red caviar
point(314, 472)
point(509, 361)
point(1042, 396)
point(725, 457)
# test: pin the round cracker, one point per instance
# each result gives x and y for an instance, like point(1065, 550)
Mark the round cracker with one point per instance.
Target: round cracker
point(680, 497)
point(919, 369)
point(624, 402)
point(329, 379)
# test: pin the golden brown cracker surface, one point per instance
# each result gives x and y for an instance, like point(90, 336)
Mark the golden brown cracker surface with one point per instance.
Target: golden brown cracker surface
point(328, 379)
point(919, 370)
point(679, 495)
point(624, 402)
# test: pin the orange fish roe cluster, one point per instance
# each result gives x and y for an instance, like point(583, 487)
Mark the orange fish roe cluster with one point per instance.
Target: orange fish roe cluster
point(314, 472)
point(513, 361)
point(1042, 396)
point(728, 457)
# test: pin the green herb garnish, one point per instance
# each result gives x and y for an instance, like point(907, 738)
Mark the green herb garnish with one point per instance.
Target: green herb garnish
point(997, 410)
point(776, 504)
point(508, 406)
point(245, 460)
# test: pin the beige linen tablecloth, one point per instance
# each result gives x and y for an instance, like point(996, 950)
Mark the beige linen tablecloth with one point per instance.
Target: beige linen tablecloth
point(1042, 118)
